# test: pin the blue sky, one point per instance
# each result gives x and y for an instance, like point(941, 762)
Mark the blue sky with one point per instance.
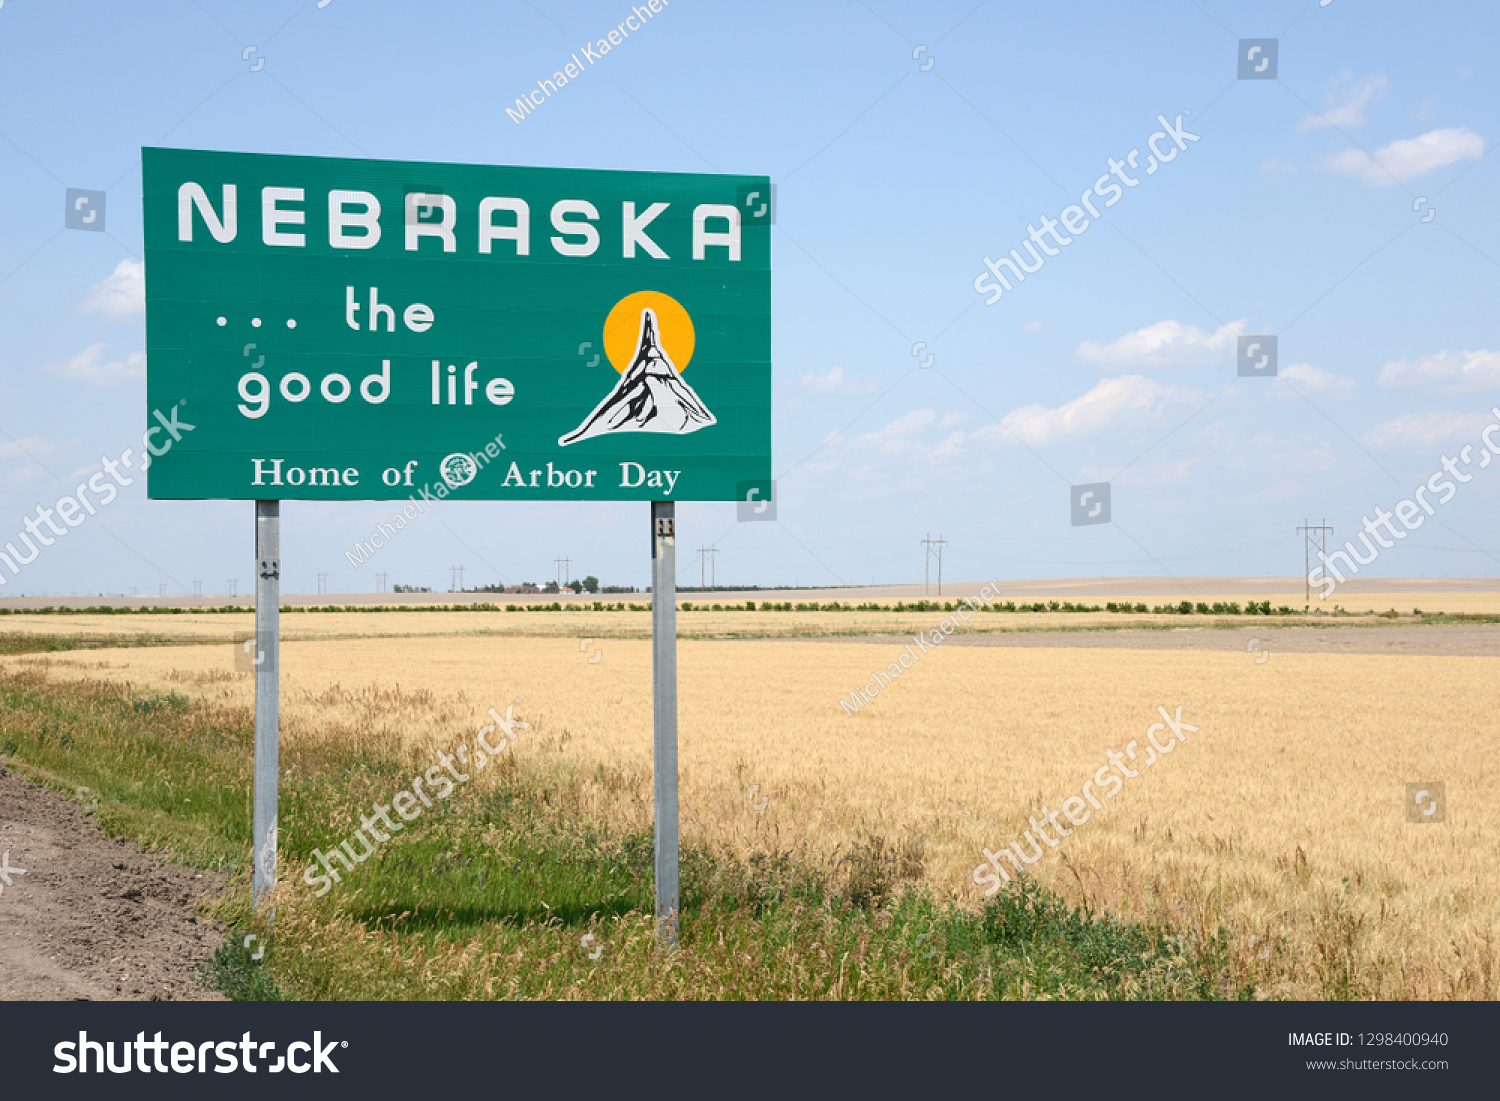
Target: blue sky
point(1298, 212)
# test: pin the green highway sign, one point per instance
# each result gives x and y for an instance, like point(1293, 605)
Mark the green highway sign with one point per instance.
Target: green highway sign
point(335, 329)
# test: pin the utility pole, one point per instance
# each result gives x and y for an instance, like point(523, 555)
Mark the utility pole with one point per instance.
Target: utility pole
point(380, 579)
point(322, 583)
point(455, 579)
point(162, 588)
point(707, 559)
point(1306, 531)
point(233, 587)
point(929, 543)
point(563, 576)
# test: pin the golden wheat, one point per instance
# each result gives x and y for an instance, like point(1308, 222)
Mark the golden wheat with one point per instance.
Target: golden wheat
point(704, 622)
point(1281, 819)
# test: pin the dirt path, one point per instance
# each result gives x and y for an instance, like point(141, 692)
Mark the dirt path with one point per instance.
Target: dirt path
point(92, 918)
point(1446, 640)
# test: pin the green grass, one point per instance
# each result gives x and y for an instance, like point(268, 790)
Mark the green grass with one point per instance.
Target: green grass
point(42, 644)
point(166, 773)
point(235, 972)
point(510, 890)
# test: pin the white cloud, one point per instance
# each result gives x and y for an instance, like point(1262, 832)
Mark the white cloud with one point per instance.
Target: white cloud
point(1037, 326)
point(1178, 472)
point(1314, 380)
point(28, 446)
point(1446, 372)
point(121, 295)
point(90, 366)
point(916, 457)
point(905, 437)
point(1113, 403)
point(834, 382)
point(1165, 344)
point(865, 458)
point(1347, 101)
point(1278, 166)
point(824, 384)
point(1425, 430)
point(26, 451)
point(951, 447)
point(1408, 158)
point(900, 436)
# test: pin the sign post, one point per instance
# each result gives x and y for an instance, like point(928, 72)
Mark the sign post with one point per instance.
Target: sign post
point(267, 695)
point(331, 329)
point(664, 712)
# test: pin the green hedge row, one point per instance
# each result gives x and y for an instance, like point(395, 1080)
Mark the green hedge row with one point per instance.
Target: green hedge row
point(1186, 607)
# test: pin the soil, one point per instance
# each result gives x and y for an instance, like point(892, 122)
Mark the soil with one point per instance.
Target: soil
point(1445, 640)
point(93, 918)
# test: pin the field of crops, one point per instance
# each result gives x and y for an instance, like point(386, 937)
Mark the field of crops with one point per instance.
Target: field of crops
point(715, 617)
point(1280, 819)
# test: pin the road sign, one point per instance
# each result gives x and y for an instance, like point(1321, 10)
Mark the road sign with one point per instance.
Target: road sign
point(335, 329)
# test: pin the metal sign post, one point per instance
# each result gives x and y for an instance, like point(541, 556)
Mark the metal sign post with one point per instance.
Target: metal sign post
point(664, 712)
point(311, 312)
point(267, 693)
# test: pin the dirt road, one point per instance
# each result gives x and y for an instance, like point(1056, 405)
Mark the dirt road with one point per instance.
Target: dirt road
point(1448, 639)
point(84, 917)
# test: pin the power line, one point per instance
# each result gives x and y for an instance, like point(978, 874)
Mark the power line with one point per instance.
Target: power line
point(1306, 531)
point(929, 543)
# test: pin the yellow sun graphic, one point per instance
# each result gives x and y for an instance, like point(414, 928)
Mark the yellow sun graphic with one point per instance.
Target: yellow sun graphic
point(622, 329)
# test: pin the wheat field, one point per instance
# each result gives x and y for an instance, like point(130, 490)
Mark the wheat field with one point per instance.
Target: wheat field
point(703, 622)
point(1281, 820)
